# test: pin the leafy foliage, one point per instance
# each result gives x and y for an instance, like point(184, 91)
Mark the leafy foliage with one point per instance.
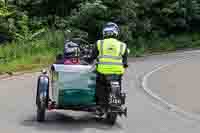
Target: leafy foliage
point(138, 19)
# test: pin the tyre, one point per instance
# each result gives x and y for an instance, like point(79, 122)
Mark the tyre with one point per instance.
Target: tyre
point(111, 118)
point(41, 109)
point(42, 97)
point(40, 115)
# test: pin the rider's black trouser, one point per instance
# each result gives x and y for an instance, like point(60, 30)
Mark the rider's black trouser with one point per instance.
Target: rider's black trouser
point(102, 91)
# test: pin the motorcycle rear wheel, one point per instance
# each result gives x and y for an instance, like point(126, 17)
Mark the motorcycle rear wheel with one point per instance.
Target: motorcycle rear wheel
point(111, 118)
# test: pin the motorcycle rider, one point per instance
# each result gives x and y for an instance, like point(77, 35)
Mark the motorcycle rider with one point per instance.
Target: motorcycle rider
point(71, 54)
point(111, 55)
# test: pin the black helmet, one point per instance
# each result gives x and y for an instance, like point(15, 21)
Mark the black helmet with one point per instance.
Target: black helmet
point(71, 50)
point(111, 30)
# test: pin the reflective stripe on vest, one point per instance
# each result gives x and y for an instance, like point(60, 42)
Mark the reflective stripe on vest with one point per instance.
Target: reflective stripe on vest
point(121, 49)
point(110, 63)
point(110, 57)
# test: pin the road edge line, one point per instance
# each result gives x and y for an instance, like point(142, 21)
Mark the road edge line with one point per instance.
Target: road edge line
point(15, 74)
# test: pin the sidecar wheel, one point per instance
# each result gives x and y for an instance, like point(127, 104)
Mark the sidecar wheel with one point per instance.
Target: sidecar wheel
point(42, 97)
point(40, 115)
point(41, 109)
point(111, 118)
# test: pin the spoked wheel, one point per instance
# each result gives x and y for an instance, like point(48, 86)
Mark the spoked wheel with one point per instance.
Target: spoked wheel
point(111, 118)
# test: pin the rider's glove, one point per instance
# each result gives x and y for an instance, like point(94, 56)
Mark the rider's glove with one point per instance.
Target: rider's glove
point(125, 65)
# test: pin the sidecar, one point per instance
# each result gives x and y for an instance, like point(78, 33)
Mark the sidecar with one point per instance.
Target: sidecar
point(73, 86)
point(69, 87)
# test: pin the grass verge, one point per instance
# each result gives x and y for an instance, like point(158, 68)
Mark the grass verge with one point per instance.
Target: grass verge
point(27, 63)
point(22, 56)
point(28, 55)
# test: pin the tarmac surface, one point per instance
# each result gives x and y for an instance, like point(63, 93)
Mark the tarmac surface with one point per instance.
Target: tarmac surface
point(145, 114)
point(179, 84)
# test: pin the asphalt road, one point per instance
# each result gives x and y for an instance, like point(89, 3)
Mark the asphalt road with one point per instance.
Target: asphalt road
point(145, 114)
point(179, 84)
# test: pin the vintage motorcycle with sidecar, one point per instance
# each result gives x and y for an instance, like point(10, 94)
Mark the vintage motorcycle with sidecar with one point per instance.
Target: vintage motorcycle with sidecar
point(72, 87)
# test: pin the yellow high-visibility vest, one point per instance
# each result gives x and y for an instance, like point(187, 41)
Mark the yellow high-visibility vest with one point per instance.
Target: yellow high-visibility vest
point(110, 56)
